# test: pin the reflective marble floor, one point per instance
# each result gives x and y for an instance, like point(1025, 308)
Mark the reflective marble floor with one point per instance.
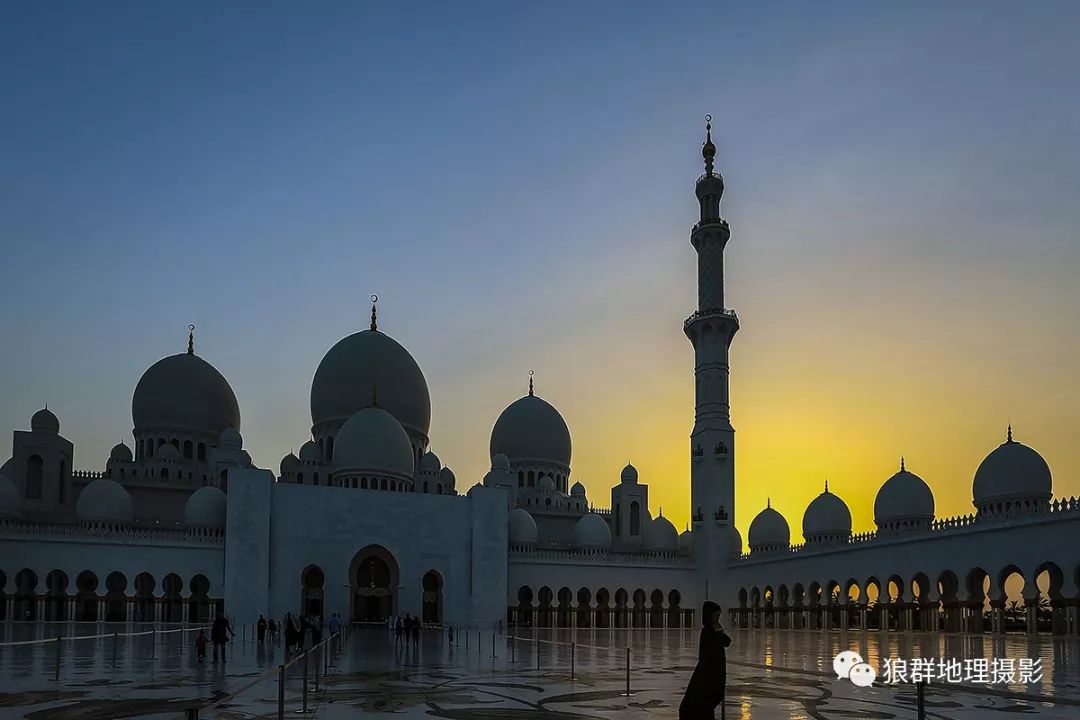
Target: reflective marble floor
point(771, 675)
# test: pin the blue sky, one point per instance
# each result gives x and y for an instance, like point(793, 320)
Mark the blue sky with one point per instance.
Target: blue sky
point(515, 181)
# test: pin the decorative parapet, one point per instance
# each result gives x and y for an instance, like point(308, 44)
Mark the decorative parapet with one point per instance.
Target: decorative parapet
point(88, 475)
point(110, 532)
point(1060, 509)
point(607, 557)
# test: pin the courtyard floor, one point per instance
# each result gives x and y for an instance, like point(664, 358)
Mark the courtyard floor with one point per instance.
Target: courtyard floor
point(771, 675)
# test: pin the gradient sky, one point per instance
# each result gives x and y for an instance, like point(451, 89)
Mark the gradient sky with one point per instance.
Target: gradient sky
point(516, 182)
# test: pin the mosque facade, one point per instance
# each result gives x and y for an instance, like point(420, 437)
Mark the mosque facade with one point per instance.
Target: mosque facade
point(179, 525)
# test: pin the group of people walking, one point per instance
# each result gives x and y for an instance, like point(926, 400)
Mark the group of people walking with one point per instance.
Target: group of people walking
point(405, 629)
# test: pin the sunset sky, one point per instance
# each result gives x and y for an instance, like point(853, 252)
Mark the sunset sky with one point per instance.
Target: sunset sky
point(516, 183)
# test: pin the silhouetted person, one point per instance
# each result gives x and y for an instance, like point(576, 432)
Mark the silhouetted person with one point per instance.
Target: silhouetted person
point(260, 629)
point(220, 632)
point(399, 630)
point(416, 632)
point(706, 687)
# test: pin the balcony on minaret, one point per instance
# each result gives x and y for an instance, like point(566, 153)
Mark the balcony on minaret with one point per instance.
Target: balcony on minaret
point(710, 221)
point(721, 516)
point(697, 452)
point(720, 452)
point(698, 516)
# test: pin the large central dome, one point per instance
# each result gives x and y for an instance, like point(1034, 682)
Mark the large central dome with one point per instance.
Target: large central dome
point(184, 392)
point(531, 429)
point(358, 365)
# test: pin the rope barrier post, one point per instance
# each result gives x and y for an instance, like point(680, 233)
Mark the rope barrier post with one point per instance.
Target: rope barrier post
point(628, 671)
point(493, 646)
point(513, 647)
point(281, 693)
point(920, 699)
point(57, 677)
point(317, 653)
point(183, 634)
point(573, 660)
point(304, 693)
point(191, 714)
point(153, 642)
point(115, 640)
point(537, 644)
point(466, 641)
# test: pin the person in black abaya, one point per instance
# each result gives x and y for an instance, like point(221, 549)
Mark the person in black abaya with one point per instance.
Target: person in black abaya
point(706, 687)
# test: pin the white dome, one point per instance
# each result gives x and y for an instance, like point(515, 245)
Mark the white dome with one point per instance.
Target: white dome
point(592, 533)
point(521, 527)
point(288, 464)
point(1013, 471)
point(184, 392)
point(546, 483)
point(578, 490)
point(230, 438)
point(660, 535)
point(628, 474)
point(827, 517)
point(361, 363)
point(10, 499)
point(45, 421)
point(531, 430)
point(500, 462)
point(104, 500)
point(686, 540)
point(904, 498)
point(310, 452)
point(769, 530)
point(373, 440)
point(168, 452)
point(448, 477)
point(120, 453)
point(430, 463)
point(206, 508)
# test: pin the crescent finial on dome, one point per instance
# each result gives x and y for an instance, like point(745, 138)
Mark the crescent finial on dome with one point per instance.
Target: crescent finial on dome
point(374, 396)
point(191, 339)
point(902, 468)
point(374, 317)
point(826, 484)
point(1008, 434)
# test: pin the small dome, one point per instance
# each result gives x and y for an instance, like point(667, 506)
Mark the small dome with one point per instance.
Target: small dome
point(521, 527)
point(1013, 471)
point(289, 464)
point(10, 498)
point(500, 462)
point(373, 440)
point(359, 363)
point(827, 517)
point(45, 421)
point(447, 476)
point(310, 452)
point(629, 474)
point(578, 490)
point(531, 430)
point(230, 438)
point(430, 462)
point(660, 535)
point(903, 498)
point(592, 533)
point(184, 392)
point(168, 451)
point(120, 453)
point(206, 508)
point(104, 500)
point(686, 540)
point(769, 530)
point(546, 483)
point(734, 537)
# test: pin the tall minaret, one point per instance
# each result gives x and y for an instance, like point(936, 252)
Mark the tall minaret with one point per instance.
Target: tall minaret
point(710, 330)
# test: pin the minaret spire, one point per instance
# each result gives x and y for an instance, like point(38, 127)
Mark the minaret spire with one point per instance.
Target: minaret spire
point(374, 318)
point(708, 150)
point(191, 339)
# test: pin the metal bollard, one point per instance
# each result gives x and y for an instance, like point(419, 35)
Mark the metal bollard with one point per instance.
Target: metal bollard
point(316, 669)
point(920, 699)
point(537, 651)
point(628, 672)
point(183, 635)
point(115, 639)
point(466, 641)
point(573, 652)
point(493, 645)
point(513, 647)
point(57, 678)
point(153, 642)
point(281, 692)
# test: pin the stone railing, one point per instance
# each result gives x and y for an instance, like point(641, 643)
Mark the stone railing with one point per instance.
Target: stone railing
point(34, 530)
point(726, 312)
point(567, 554)
point(87, 474)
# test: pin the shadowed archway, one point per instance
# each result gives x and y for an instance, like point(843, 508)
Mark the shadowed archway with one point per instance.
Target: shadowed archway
point(373, 581)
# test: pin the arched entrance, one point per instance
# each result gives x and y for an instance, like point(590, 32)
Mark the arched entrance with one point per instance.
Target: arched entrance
point(432, 585)
point(373, 580)
point(312, 580)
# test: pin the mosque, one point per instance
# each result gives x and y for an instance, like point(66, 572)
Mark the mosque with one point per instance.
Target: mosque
point(179, 525)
